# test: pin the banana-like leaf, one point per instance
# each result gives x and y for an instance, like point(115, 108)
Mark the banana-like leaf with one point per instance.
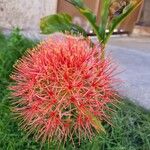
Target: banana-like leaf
point(88, 14)
point(77, 3)
point(104, 17)
point(118, 19)
point(59, 23)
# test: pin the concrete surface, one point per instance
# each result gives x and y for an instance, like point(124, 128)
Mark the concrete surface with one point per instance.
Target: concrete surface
point(25, 14)
point(133, 56)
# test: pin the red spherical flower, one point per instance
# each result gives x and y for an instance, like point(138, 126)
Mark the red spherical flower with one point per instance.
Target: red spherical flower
point(62, 88)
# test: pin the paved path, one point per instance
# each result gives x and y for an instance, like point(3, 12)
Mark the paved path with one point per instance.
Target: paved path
point(133, 55)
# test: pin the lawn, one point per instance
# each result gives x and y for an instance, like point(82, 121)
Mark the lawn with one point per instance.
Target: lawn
point(131, 124)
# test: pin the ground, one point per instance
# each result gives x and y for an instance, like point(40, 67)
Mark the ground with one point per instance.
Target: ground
point(133, 56)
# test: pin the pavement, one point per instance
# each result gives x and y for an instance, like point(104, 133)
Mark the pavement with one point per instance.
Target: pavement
point(133, 56)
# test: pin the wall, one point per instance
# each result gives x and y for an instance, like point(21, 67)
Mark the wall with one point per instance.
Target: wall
point(95, 5)
point(64, 6)
point(25, 14)
point(146, 13)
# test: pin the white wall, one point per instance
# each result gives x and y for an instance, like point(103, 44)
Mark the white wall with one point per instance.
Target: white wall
point(25, 14)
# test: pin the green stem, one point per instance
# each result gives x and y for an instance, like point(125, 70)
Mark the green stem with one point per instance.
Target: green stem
point(103, 52)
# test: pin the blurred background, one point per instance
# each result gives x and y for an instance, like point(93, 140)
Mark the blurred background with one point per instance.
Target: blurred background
point(26, 15)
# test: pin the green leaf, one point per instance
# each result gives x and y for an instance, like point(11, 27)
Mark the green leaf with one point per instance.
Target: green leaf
point(59, 23)
point(88, 14)
point(117, 20)
point(77, 3)
point(104, 17)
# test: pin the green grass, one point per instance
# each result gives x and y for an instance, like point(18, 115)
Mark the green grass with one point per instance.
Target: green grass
point(11, 48)
point(131, 124)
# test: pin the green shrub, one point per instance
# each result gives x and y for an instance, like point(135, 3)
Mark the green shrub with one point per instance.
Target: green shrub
point(11, 49)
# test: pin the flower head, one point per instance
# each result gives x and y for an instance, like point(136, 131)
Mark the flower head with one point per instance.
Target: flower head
point(62, 88)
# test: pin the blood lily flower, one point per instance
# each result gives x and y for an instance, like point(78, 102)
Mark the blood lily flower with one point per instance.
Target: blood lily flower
point(62, 88)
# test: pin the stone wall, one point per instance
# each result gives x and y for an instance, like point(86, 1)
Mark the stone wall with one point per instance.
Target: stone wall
point(25, 14)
